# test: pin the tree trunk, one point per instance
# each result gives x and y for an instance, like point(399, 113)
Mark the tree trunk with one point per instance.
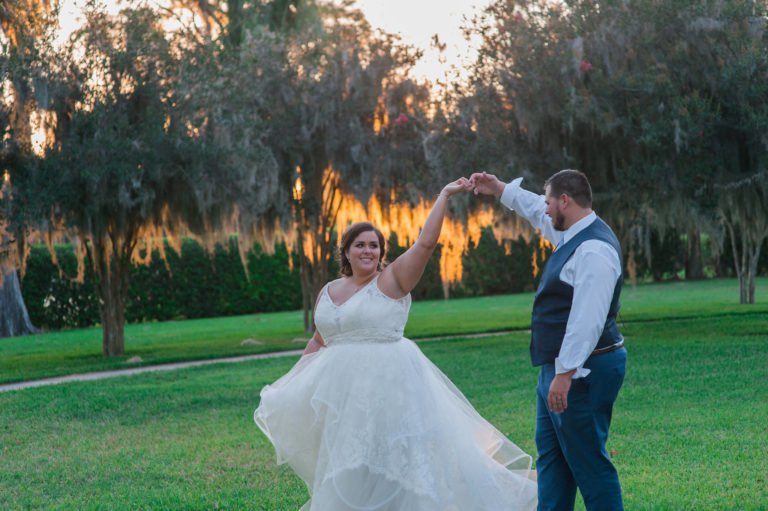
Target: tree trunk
point(739, 263)
point(304, 271)
point(745, 265)
point(317, 231)
point(112, 309)
point(746, 268)
point(111, 284)
point(314, 275)
point(693, 264)
point(632, 267)
point(743, 288)
point(754, 256)
point(14, 318)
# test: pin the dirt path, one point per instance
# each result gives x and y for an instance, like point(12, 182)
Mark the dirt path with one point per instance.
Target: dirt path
point(99, 375)
point(137, 370)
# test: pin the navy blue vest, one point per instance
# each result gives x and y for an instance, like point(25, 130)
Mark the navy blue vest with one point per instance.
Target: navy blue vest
point(552, 304)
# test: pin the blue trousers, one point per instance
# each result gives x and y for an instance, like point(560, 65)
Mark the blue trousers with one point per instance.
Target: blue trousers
point(571, 445)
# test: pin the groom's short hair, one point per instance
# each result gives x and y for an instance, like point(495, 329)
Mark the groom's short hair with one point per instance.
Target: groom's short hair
point(574, 184)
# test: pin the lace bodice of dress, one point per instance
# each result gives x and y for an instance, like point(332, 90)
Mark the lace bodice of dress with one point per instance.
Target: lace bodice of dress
point(369, 316)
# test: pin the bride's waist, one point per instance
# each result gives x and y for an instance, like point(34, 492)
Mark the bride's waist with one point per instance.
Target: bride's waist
point(364, 336)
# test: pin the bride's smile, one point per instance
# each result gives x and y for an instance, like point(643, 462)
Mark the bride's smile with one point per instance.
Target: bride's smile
point(364, 254)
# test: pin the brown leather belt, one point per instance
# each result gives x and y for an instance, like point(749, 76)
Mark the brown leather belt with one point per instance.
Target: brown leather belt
point(608, 349)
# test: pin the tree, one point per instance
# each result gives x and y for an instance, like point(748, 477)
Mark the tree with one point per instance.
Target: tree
point(135, 158)
point(739, 151)
point(744, 209)
point(661, 103)
point(14, 317)
point(328, 115)
point(335, 130)
point(25, 34)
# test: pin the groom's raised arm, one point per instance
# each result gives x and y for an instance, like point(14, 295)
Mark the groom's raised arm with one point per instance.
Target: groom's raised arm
point(527, 204)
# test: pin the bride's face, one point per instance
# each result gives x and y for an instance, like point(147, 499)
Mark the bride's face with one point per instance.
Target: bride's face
point(364, 253)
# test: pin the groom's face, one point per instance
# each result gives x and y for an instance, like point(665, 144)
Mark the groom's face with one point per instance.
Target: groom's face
point(554, 211)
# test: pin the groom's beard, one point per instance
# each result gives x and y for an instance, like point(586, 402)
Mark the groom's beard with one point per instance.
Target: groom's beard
point(558, 222)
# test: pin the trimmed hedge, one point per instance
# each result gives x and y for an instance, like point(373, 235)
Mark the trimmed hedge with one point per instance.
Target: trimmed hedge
point(53, 300)
point(196, 285)
point(490, 270)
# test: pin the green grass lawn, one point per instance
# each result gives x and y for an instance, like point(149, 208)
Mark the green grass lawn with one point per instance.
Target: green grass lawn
point(78, 351)
point(688, 434)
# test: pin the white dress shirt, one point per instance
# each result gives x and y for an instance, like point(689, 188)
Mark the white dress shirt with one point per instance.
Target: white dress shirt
point(592, 271)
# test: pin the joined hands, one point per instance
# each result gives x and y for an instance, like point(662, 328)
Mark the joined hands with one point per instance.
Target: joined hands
point(460, 185)
point(487, 184)
point(479, 182)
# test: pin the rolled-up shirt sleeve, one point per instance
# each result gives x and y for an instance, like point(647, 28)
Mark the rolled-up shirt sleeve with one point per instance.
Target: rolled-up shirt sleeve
point(593, 275)
point(532, 207)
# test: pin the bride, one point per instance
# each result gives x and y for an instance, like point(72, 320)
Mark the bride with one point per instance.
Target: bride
point(366, 420)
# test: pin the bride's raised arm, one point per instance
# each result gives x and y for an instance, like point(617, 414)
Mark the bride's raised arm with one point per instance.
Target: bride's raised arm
point(402, 275)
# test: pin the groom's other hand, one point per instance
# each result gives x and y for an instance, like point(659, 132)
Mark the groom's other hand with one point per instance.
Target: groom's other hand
point(487, 184)
point(558, 392)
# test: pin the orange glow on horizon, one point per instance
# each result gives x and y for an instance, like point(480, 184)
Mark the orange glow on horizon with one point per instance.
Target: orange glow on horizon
point(380, 117)
point(406, 222)
point(544, 245)
point(298, 188)
point(41, 127)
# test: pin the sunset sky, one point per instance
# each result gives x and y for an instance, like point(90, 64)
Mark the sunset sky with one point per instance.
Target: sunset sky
point(416, 21)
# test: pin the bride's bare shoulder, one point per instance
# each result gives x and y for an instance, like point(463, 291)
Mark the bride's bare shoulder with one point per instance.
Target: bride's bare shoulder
point(335, 285)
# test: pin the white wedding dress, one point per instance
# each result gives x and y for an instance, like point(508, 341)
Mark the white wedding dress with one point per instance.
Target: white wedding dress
point(370, 424)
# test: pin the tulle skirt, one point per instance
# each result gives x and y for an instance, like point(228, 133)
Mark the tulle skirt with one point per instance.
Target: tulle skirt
point(379, 427)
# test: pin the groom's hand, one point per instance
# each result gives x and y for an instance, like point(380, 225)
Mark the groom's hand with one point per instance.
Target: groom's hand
point(558, 392)
point(487, 184)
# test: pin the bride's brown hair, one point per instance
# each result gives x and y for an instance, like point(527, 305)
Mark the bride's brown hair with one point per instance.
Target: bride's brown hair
point(352, 232)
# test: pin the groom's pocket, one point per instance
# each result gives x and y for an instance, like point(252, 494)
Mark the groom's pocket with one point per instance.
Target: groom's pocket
point(580, 385)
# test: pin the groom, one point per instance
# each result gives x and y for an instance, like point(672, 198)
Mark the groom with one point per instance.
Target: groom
point(574, 339)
